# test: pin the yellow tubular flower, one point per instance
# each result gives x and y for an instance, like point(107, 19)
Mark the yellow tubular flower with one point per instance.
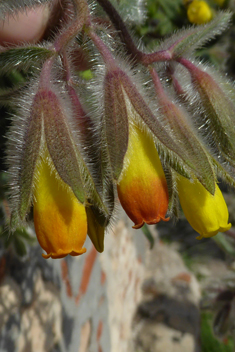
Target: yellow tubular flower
point(207, 214)
point(142, 187)
point(59, 218)
point(199, 12)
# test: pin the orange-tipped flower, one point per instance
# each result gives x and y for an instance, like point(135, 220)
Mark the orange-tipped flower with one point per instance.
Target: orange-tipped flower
point(206, 213)
point(142, 187)
point(59, 218)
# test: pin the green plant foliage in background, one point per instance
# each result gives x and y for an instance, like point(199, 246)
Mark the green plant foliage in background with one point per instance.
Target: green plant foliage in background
point(208, 342)
point(163, 17)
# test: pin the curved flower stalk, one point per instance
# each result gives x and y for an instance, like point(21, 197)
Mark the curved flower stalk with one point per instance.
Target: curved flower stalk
point(142, 186)
point(206, 213)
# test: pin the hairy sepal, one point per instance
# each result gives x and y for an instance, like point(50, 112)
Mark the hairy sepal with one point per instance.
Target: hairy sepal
point(173, 207)
point(24, 138)
point(96, 227)
point(60, 143)
point(176, 120)
point(115, 121)
point(29, 156)
point(98, 189)
point(224, 171)
point(218, 100)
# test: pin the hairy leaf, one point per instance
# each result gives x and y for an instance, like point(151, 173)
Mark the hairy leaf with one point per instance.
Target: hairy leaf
point(60, 142)
point(217, 99)
point(23, 57)
point(90, 144)
point(115, 121)
point(184, 42)
point(29, 156)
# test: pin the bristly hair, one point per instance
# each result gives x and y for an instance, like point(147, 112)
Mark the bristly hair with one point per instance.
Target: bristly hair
point(10, 7)
point(184, 42)
point(15, 142)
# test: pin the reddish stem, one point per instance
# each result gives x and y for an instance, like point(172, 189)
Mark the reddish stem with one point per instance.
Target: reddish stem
point(103, 49)
point(46, 73)
point(135, 54)
point(81, 16)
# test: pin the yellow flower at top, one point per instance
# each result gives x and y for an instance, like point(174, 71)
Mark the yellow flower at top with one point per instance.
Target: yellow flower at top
point(199, 12)
point(142, 187)
point(59, 218)
point(206, 213)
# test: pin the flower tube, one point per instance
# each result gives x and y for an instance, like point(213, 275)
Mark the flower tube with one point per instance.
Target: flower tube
point(206, 213)
point(59, 218)
point(142, 186)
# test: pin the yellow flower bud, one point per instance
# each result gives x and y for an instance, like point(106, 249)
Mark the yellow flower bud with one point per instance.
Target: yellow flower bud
point(59, 218)
point(206, 213)
point(142, 187)
point(199, 12)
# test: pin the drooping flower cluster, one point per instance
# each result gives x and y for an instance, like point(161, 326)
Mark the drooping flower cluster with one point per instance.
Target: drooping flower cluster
point(128, 136)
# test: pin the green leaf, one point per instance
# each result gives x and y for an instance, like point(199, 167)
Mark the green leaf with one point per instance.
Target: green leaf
point(225, 172)
point(23, 57)
point(25, 235)
point(96, 227)
point(217, 96)
point(208, 341)
point(184, 42)
point(222, 242)
point(171, 8)
point(19, 246)
point(29, 156)
point(173, 206)
point(115, 122)
point(60, 142)
point(8, 240)
point(148, 235)
point(98, 164)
